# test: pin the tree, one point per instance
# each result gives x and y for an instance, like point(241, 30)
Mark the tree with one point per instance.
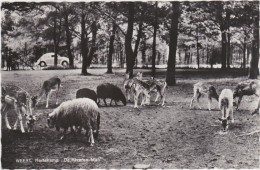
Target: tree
point(155, 26)
point(128, 40)
point(23, 35)
point(254, 70)
point(111, 48)
point(88, 16)
point(170, 75)
point(84, 40)
point(67, 11)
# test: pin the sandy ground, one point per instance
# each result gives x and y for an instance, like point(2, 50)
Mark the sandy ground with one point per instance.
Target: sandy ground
point(164, 137)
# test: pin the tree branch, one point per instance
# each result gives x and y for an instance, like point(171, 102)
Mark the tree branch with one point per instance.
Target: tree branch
point(113, 20)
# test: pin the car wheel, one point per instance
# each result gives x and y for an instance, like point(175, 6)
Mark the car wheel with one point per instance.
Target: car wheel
point(42, 64)
point(64, 63)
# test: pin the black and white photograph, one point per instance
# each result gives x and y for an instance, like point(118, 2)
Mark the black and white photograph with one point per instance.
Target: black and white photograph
point(130, 85)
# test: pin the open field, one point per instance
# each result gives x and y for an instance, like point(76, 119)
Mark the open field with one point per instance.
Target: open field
point(165, 137)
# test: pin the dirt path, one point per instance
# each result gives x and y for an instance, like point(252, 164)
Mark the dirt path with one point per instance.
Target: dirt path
point(165, 137)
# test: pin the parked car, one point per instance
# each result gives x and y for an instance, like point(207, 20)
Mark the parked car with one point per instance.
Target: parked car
point(48, 60)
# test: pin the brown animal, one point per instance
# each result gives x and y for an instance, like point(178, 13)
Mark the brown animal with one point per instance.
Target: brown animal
point(49, 86)
point(247, 88)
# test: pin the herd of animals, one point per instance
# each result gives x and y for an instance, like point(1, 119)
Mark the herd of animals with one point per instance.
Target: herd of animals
point(83, 112)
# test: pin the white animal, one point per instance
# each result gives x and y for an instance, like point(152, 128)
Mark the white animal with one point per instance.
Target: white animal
point(202, 88)
point(81, 112)
point(19, 99)
point(51, 85)
point(226, 107)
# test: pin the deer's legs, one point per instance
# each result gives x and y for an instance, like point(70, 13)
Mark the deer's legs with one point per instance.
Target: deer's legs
point(157, 96)
point(198, 99)
point(57, 102)
point(191, 102)
point(196, 95)
point(4, 110)
point(210, 101)
point(105, 101)
point(91, 138)
point(239, 101)
point(48, 97)
point(136, 99)
point(232, 115)
point(19, 118)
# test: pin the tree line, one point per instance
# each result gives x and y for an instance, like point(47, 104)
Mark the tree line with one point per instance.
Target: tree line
point(213, 31)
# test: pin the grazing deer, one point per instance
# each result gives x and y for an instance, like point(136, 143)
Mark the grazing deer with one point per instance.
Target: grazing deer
point(17, 98)
point(247, 88)
point(160, 89)
point(206, 89)
point(49, 86)
point(129, 82)
point(226, 107)
point(140, 87)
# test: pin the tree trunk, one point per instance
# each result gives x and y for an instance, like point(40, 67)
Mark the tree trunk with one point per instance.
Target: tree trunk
point(207, 50)
point(228, 49)
point(244, 54)
point(198, 54)
point(254, 70)
point(224, 51)
point(4, 57)
point(155, 26)
point(128, 40)
point(84, 45)
point(139, 36)
point(111, 49)
point(55, 39)
point(170, 75)
point(159, 57)
point(247, 54)
point(68, 40)
point(143, 50)
point(228, 13)
point(121, 55)
point(93, 48)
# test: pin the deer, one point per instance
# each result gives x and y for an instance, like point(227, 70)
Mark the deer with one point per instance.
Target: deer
point(128, 83)
point(206, 89)
point(49, 86)
point(19, 99)
point(247, 88)
point(226, 107)
point(160, 89)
